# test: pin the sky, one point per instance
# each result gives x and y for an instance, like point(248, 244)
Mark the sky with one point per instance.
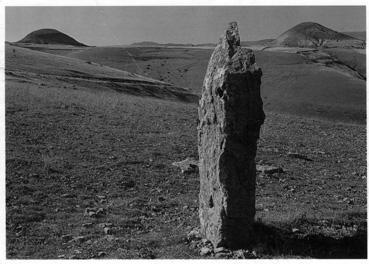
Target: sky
point(100, 26)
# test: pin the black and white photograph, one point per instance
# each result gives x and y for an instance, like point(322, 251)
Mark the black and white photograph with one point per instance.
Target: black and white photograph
point(184, 132)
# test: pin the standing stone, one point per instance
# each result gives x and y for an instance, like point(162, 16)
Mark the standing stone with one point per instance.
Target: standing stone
point(230, 116)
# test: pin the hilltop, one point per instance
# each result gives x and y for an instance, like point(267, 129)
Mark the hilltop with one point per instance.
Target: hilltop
point(312, 35)
point(49, 36)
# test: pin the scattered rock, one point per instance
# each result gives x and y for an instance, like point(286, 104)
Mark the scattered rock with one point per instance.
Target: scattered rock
point(240, 254)
point(205, 241)
point(101, 212)
point(35, 175)
point(188, 165)
point(204, 251)
point(294, 230)
point(95, 212)
point(268, 169)
point(79, 239)
point(89, 211)
point(66, 238)
point(87, 225)
point(129, 184)
point(103, 225)
point(220, 249)
point(101, 254)
point(110, 238)
point(298, 156)
point(67, 195)
point(222, 255)
point(244, 254)
point(107, 231)
point(194, 235)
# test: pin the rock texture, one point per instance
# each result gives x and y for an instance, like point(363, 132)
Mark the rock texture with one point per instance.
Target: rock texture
point(230, 116)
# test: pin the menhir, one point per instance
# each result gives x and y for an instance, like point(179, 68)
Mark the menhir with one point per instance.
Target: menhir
point(230, 116)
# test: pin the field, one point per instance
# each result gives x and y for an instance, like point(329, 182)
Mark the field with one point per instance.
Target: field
point(89, 160)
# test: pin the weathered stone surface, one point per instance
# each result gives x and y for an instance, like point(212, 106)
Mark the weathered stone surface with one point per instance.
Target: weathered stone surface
point(230, 116)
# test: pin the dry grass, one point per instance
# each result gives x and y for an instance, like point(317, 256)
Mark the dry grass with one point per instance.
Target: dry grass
point(67, 147)
point(354, 60)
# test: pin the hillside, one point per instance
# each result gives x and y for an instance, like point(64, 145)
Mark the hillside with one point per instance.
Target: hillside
point(49, 36)
point(291, 82)
point(45, 67)
point(357, 34)
point(313, 35)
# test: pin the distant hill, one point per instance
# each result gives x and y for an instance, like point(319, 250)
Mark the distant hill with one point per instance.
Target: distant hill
point(49, 36)
point(357, 34)
point(145, 43)
point(313, 35)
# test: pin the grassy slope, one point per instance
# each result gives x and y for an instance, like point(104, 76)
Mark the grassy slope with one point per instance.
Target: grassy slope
point(180, 66)
point(356, 61)
point(22, 61)
point(291, 84)
point(67, 147)
point(358, 34)
point(296, 86)
point(49, 48)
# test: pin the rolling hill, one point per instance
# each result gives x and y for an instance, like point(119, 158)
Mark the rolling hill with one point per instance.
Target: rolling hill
point(313, 35)
point(49, 36)
point(55, 69)
point(291, 83)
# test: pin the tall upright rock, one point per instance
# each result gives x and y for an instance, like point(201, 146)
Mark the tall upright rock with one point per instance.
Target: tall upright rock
point(230, 116)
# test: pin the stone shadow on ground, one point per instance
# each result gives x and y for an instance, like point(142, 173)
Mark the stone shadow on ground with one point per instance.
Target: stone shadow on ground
point(277, 241)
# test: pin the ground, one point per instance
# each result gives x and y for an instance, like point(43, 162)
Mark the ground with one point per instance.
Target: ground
point(89, 175)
